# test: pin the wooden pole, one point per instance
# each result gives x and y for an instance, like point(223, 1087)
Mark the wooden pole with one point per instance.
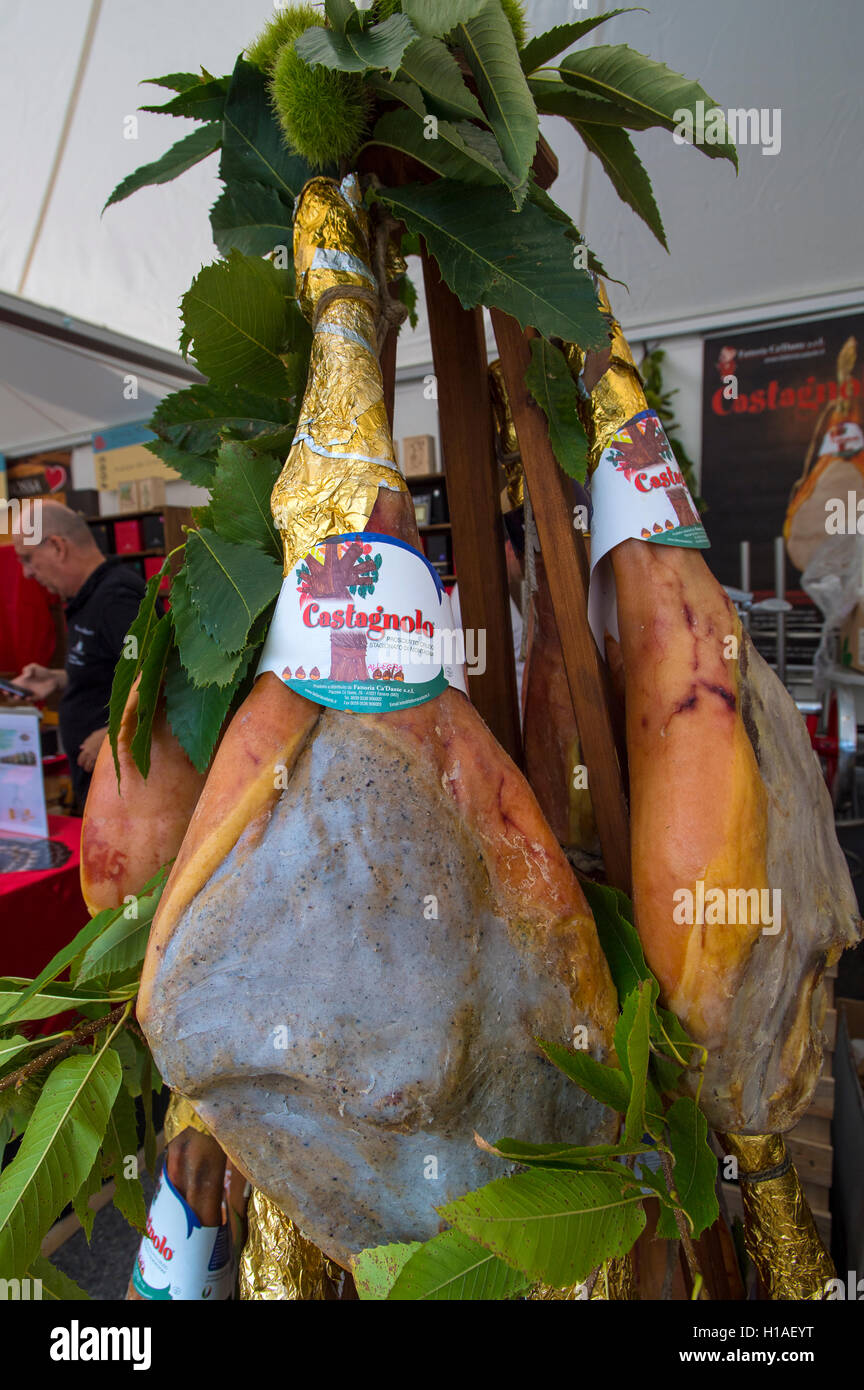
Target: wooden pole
point(567, 570)
point(388, 368)
point(467, 442)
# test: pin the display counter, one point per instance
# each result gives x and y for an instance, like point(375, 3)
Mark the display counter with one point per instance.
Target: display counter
point(41, 905)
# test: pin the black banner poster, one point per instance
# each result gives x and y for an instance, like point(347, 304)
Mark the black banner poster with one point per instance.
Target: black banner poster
point(754, 446)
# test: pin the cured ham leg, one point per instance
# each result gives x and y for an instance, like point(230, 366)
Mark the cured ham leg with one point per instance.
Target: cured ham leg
point(370, 921)
point(130, 830)
point(726, 800)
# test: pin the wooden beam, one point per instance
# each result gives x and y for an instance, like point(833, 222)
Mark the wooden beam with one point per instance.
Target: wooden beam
point(388, 372)
point(467, 444)
point(567, 570)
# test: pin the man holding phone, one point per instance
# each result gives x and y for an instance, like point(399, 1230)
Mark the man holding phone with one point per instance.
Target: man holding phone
point(101, 601)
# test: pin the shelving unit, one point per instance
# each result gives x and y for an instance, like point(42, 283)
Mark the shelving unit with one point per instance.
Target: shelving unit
point(174, 520)
point(424, 483)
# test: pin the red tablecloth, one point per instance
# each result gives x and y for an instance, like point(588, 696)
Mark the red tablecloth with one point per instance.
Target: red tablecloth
point(42, 911)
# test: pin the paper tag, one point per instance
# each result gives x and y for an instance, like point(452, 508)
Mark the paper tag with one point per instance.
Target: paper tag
point(363, 624)
point(846, 438)
point(179, 1258)
point(637, 490)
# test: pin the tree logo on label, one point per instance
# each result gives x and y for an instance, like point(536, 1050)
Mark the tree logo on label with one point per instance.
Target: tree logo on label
point(341, 569)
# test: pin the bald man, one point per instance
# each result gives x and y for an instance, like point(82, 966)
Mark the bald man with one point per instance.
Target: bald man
point(101, 600)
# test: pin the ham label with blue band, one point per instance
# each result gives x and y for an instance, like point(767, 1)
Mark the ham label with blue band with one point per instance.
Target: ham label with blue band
point(363, 623)
point(637, 491)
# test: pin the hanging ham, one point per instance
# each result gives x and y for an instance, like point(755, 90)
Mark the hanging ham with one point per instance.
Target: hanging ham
point(133, 827)
point(731, 824)
point(369, 922)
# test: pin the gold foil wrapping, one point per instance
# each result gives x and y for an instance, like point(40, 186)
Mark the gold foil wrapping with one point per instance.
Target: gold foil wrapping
point(342, 451)
point(181, 1115)
point(781, 1238)
point(331, 241)
point(617, 396)
point(615, 1283)
point(279, 1263)
point(506, 441)
point(395, 264)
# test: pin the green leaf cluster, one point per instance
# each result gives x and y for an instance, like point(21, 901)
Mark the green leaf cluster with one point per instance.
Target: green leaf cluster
point(454, 86)
point(551, 384)
point(245, 332)
point(572, 1207)
point(242, 327)
point(457, 89)
point(200, 654)
point(76, 1117)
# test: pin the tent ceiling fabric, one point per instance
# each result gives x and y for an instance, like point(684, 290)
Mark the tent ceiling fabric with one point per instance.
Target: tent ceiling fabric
point(52, 390)
point(787, 227)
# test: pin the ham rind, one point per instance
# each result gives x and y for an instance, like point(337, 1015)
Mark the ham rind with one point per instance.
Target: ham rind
point(352, 971)
point(131, 830)
point(726, 792)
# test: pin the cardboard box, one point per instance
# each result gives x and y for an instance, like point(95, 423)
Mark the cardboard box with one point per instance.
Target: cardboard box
point(151, 494)
point(152, 533)
point(127, 537)
point(852, 639)
point(101, 534)
point(438, 511)
point(437, 547)
point(83, 499)
point(418, 455)
point(140, 494)
point(152, 565)
point(127, 497)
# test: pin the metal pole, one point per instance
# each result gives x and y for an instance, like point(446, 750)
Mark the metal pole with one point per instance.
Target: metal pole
point(744, 552)
point(780, 590)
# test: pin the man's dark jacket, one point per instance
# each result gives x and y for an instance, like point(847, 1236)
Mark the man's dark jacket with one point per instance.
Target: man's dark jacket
point(97, 620)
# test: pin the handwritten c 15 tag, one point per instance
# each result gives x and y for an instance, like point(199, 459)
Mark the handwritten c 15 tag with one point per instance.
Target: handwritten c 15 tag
point(363, 623)
point(638, 491)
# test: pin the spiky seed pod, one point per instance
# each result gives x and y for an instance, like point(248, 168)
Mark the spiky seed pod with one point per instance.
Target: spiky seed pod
point(323, 114)
point(515, 12)
point(285, 26)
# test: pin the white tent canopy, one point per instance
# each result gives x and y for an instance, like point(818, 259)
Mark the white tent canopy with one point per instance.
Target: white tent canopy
point(782, 238)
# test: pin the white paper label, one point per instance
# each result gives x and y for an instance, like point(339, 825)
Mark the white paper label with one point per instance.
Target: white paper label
point(363, 624)
point(845, 438)
point(637, 490)
point(179, 1258)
